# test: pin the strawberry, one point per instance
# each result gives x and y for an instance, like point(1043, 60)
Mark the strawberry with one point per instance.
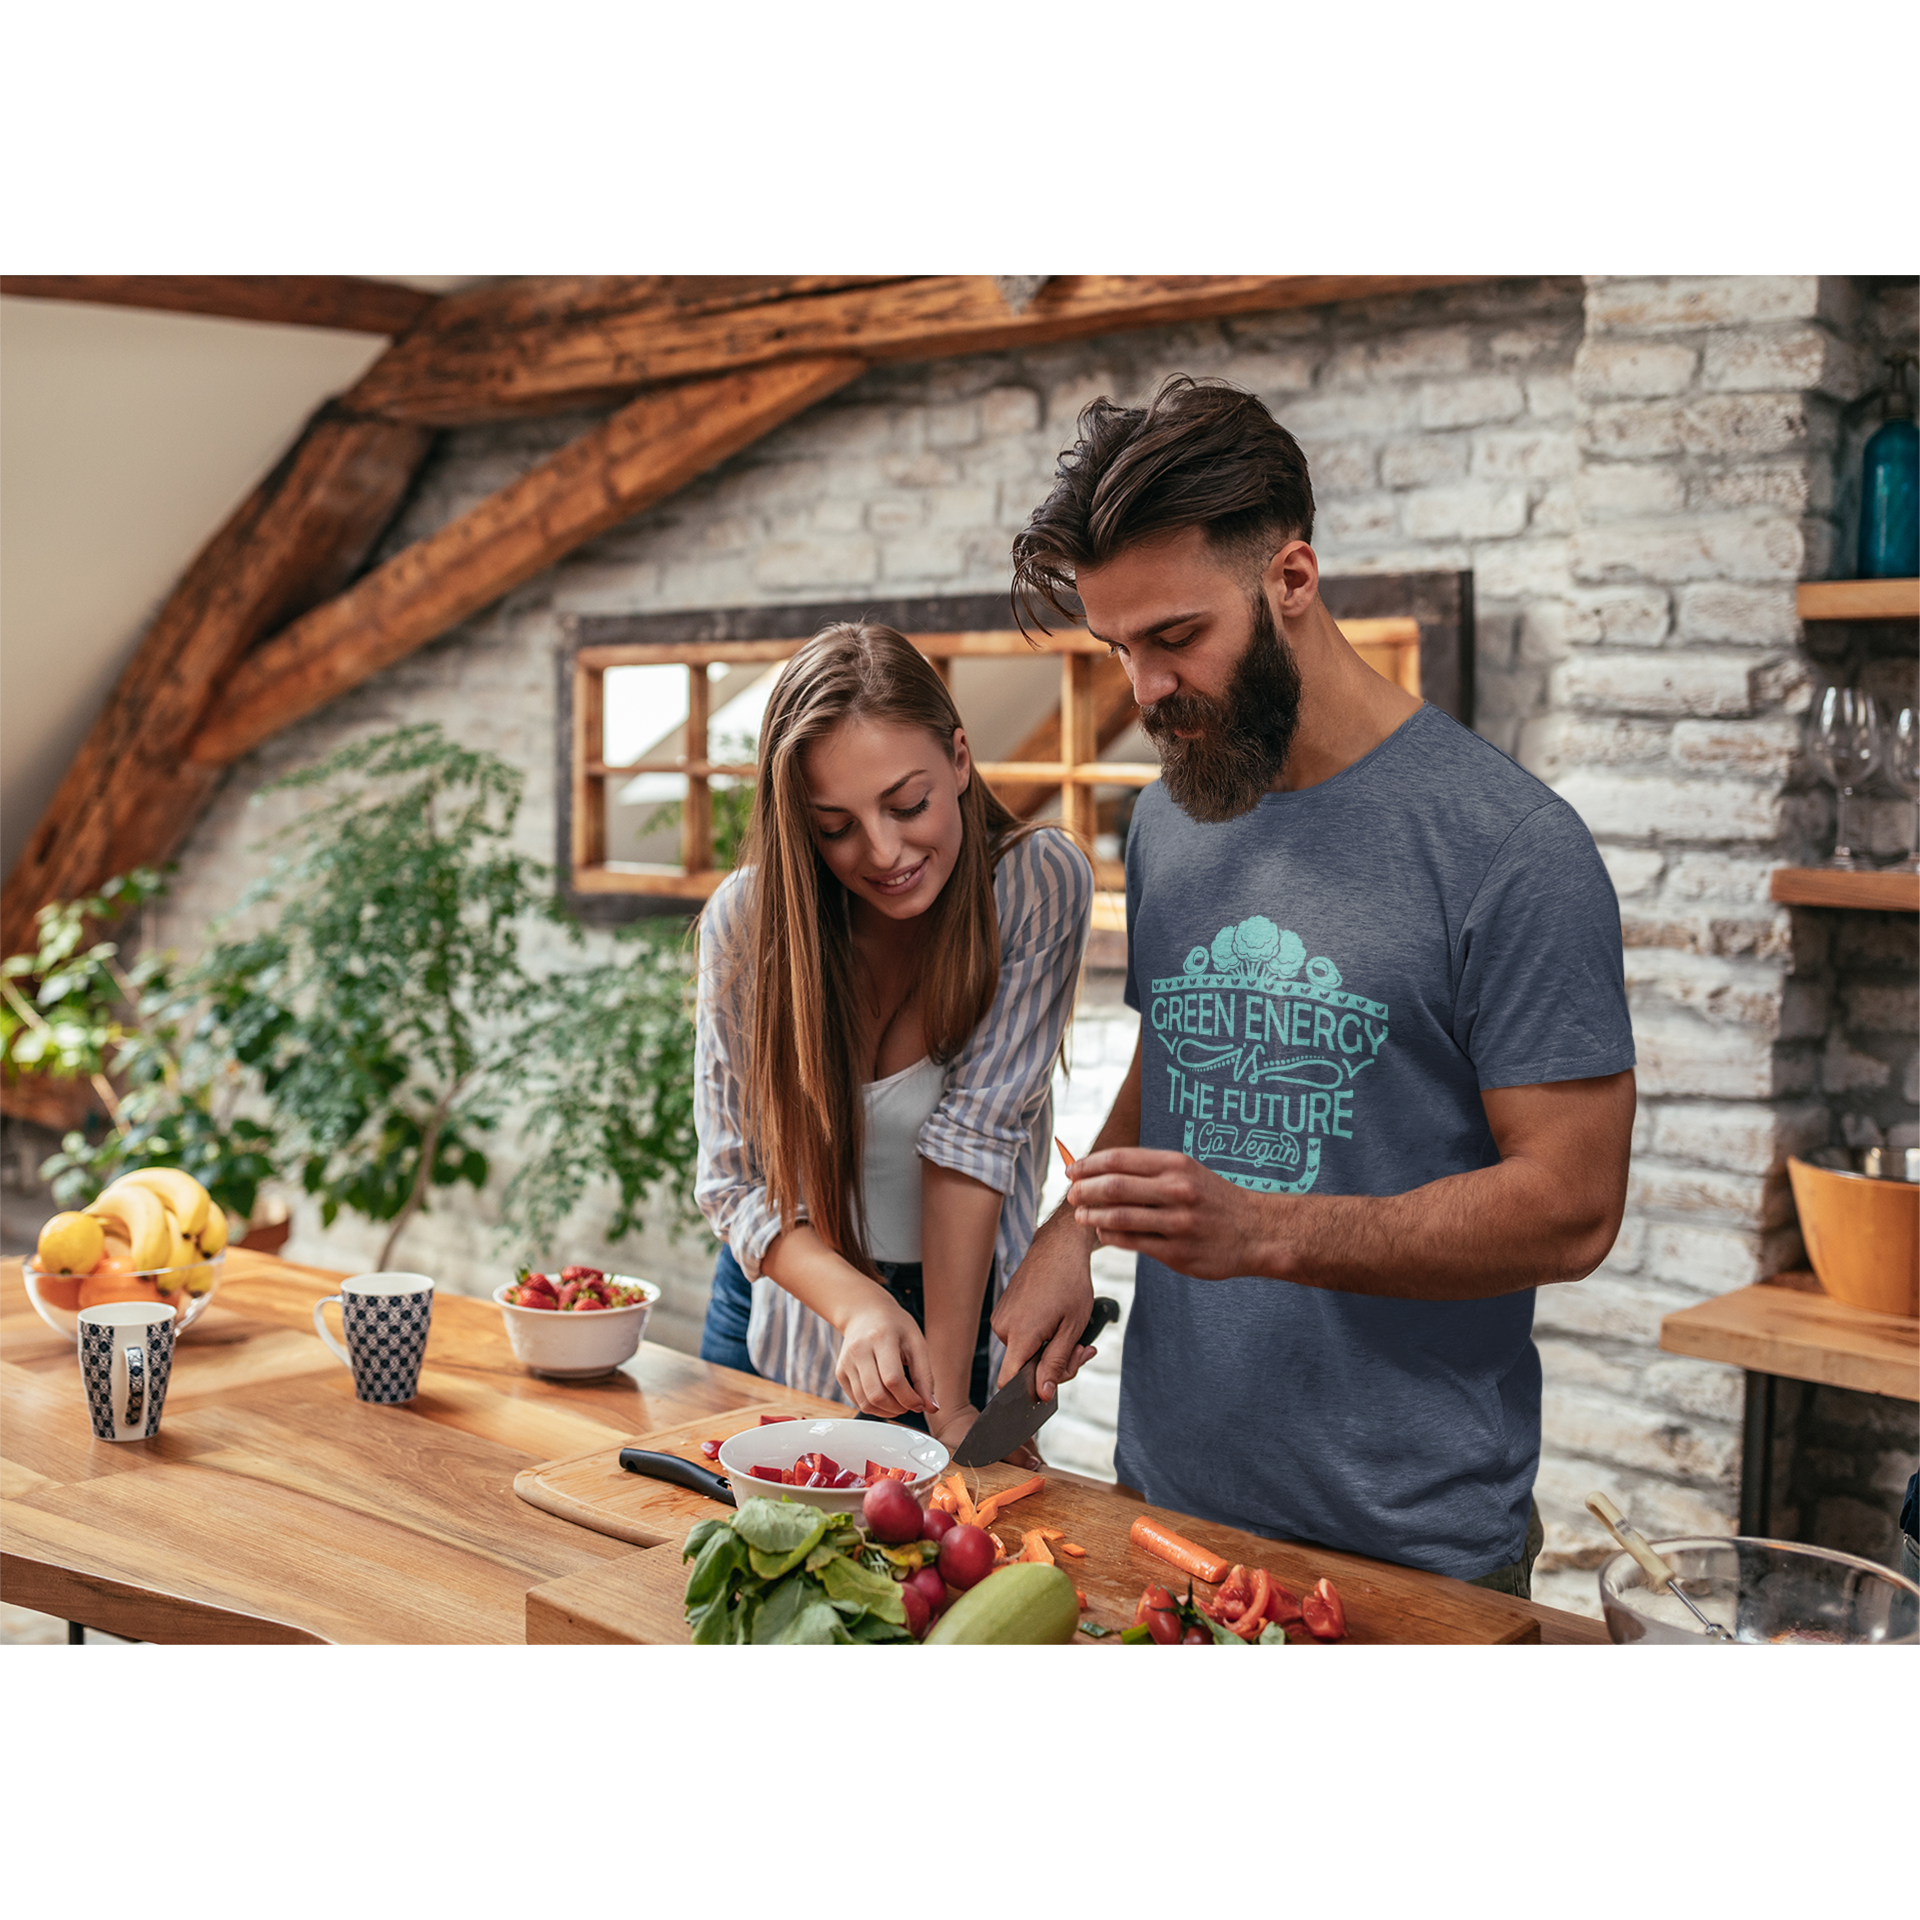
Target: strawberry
point(526, 1297)
point(588, 1304)
point(538, 1281)
point(581, 1273)
point(568, 1292)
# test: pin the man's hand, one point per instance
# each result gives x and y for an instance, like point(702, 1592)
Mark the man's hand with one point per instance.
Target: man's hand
point(1169, 1207)
point(951, 1429)
point(1046, 1306)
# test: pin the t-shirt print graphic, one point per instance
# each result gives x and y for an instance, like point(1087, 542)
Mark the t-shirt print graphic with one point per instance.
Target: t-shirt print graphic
point(1263, 1046)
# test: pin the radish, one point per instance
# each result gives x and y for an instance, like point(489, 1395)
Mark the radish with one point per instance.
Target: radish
point(931, 1588)
point(937, 1524)
point(966, 1556)
point(891, 1513)
point(919, 1614)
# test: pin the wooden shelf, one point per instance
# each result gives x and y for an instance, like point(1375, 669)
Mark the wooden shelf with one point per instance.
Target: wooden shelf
point(1859, 599)
point(1887, 891)
point(1788, 1326)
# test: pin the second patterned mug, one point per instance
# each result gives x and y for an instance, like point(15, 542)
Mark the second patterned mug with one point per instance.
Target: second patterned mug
point(385, 1317)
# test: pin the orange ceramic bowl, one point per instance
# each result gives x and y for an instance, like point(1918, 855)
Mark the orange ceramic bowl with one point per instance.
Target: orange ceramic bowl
point(1863, 1236)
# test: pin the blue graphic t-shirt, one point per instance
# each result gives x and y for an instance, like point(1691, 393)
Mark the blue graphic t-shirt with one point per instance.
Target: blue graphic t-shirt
point(1325, 986)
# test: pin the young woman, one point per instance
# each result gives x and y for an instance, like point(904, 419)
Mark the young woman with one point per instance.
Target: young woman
point(884, 984)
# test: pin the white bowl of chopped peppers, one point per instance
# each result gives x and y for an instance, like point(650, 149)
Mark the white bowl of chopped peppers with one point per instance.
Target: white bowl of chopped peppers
point(830, 1463)
point(576, 1323)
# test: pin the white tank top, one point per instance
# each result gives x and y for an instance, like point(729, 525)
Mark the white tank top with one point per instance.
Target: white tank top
point(896, 1109)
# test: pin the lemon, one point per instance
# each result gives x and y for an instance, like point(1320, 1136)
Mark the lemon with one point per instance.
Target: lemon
point(70, 1243)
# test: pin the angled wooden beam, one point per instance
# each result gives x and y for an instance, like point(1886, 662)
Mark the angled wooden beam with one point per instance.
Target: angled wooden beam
point(600, 339)
point(131, 793)
point(1113, 713)
point(644, 452)
point(287, 299)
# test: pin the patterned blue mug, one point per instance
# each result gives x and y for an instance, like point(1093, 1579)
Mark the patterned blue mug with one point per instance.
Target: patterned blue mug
point(385, 1317)
point(126, 1356)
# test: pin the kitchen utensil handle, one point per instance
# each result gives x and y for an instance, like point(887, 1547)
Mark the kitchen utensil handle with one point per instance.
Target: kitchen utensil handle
point(320, 1326)
point(676, 1472)
point(1104, 1311)
point(136, 1385)
point(1631, 1538)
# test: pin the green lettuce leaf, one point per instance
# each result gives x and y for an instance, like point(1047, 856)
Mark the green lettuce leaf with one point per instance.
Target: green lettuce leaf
point(722, 1559)
point(780, 1526)
point(857, 1588)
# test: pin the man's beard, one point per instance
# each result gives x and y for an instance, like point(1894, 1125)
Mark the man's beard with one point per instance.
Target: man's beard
point(1244, 736)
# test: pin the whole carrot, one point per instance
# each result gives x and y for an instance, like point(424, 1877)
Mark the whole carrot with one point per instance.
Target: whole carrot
point(1171, 1547)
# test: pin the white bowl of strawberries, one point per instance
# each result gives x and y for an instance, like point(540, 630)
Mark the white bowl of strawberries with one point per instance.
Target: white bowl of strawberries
point(575, 1324)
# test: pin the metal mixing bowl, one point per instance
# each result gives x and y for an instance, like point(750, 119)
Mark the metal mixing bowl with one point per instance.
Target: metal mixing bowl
point(1765, 1592)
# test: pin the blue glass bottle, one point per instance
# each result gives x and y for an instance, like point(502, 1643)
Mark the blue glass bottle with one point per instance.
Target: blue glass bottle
point(1889, 498)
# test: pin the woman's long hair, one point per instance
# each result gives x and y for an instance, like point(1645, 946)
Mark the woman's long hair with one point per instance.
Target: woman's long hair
point(802, 1103)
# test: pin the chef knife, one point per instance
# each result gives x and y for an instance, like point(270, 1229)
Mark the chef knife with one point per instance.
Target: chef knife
point(680, 1473)
point(1016, 1413)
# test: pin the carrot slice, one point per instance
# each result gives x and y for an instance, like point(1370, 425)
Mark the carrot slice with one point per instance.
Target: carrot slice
point(1152, 1537)
point(1033, 1544)
point(992, 1505)
point(1078, 1553)
point(1085, 1603)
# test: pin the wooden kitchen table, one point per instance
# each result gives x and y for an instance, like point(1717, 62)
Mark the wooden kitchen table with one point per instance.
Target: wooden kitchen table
point(274, 1507)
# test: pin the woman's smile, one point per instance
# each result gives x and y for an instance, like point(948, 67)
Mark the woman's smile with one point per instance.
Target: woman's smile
point(894, 884)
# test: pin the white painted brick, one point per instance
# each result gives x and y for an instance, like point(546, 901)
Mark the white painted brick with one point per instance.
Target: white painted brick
point(1632, 369)
point(1517, 569)
point(1655, 683)
point(1068, 397)
point(962, 506)
point(1766, 933)
point(1786, 357)
point(1529, 342)
point(1746, 615)
point(1633, 870)
point(1757, 749)
point(1600, 1426)
point(1419, 352)
point(1468, 513)
point(1782, 486)
point(895, 513)
point(922, 556)
point(1735, 1199)
point(1742, 1138)
point(1661, 1509)
point(1631, 430)
point(1718, 1259)
point(1675, 1053)
point(1524, 453)
point(1719, 876)
point(1673, 304)
point(1471, 403)
point(1744, 992)
point(818, 562)
point(1610, 1307)
point(1005, 411)
point(1629, 492)
point(1551, 629)
point(1333, 415)
point(1075, 1446)
point(1550, 395)
point(836, 430)
point(827, 516)
point(1565, 740)
point(1636, 616)
point(1718, 547)
point(1362, 521)
point(919, 470)
point(1703, 1388)
point(1272, 373)
point(1424, 462)
point(1342, 466)
point(1632, 806)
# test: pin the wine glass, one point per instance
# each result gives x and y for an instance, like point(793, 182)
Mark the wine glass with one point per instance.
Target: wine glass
point(1846, 747)
point(1903, 763)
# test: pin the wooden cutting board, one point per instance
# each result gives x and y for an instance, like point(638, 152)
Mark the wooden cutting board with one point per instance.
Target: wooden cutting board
point(595, 1490)
point(638, 1599)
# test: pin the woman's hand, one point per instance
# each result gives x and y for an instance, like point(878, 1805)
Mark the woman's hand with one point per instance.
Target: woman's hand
point(884, 1367)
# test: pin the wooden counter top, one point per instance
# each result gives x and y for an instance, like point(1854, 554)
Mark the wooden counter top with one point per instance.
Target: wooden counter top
point(1790, 1327)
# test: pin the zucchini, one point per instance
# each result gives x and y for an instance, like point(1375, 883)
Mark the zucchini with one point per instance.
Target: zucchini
point(1025, 1605)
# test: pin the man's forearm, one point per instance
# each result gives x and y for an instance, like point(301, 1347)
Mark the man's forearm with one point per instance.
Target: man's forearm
point(1470, 1236)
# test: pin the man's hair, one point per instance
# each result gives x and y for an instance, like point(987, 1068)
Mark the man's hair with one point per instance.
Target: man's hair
point(1203, 454)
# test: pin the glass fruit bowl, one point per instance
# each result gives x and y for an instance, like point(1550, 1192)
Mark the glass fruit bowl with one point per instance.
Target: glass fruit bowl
point(58, 1298)
point(1764, 1592)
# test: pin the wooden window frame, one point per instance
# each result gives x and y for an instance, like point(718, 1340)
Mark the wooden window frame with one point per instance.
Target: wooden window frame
point(944, 628)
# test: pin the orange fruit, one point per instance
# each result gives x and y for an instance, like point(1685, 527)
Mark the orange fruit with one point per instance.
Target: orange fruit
point(59, 1292)
point(104, 1285)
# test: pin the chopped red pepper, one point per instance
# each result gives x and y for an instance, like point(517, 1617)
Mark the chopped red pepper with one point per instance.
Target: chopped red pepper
point(767, 1473)
point(1253, 1618)
point(1324, 1614)
point(774, 1419)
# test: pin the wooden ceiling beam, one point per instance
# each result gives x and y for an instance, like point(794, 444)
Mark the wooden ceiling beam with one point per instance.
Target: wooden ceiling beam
point(580, 343)
point(647, 450)
point(132, 793)
point(285, 299)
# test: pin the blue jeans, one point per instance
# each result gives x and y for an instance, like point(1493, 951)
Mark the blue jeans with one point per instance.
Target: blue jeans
point(723, 1339)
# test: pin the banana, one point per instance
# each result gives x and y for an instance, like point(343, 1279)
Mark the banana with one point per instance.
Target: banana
point(182, 1195)
point(213, 1236)
point(143, 1219)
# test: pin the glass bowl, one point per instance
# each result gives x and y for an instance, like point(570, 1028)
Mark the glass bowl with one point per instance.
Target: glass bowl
point(188, 1290)
point(1765, 1592)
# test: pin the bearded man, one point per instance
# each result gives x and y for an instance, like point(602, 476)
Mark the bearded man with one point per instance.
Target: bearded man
point(1383, 1088)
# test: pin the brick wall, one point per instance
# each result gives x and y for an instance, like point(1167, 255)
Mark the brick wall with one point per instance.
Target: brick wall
point(1636, 471)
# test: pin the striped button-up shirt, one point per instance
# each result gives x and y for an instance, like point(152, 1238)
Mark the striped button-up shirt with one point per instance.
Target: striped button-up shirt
point(993, 1122)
